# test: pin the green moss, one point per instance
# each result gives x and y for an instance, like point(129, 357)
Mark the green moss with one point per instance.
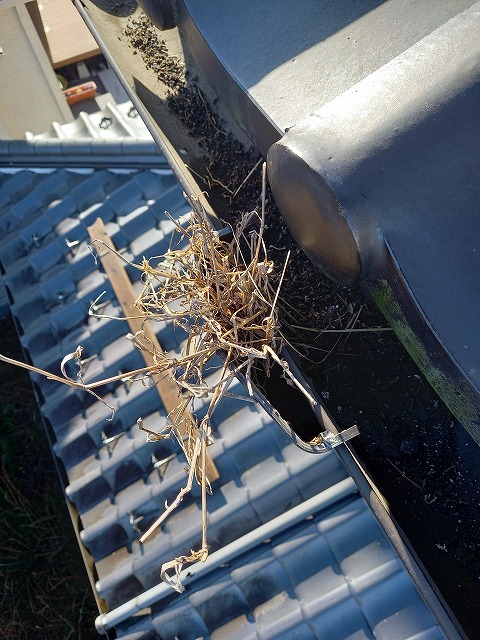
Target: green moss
point(458, 401)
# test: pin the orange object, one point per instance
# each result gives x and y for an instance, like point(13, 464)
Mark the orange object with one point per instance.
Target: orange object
point(80, 92)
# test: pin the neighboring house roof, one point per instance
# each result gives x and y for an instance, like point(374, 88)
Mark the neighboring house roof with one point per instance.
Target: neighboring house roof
point(112, 122)
point(114, 136)
point(295, 551)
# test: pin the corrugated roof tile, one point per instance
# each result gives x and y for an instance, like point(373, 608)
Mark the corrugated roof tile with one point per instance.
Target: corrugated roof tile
point(16, 185)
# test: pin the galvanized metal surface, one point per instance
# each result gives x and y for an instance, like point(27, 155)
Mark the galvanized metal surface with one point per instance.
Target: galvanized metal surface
point(332, 575)
point(284, 61)
point(379, 185)
point(387, 173)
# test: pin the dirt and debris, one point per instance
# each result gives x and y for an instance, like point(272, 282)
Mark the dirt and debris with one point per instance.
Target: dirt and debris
point(221, 164)
point(424, 462)
point(143, 38)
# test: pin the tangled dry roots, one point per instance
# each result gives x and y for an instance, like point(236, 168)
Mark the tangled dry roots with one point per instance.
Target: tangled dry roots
point(217, 288)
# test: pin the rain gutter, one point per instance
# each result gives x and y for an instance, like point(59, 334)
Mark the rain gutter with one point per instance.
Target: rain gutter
point(173, 158)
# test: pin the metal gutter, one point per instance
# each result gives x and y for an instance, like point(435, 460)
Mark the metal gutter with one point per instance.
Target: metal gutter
point(191, 188)
point(399, 541)
point(173, 158)
point(379, 506)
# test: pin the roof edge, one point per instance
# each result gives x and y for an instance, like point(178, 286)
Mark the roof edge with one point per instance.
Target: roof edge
point(86, 152)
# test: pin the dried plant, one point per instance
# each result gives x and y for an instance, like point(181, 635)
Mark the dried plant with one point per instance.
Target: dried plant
point(218, 289)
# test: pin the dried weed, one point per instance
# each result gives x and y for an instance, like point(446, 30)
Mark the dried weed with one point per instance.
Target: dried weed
point(217, 288)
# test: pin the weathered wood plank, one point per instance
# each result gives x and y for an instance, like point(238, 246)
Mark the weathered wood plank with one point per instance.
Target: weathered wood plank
point(125, 293)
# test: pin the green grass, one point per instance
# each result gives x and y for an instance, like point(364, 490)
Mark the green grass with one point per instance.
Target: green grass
point(44, 590)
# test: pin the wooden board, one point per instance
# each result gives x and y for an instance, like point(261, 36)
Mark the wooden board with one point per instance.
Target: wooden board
point(68, 37)
point(166, 386)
